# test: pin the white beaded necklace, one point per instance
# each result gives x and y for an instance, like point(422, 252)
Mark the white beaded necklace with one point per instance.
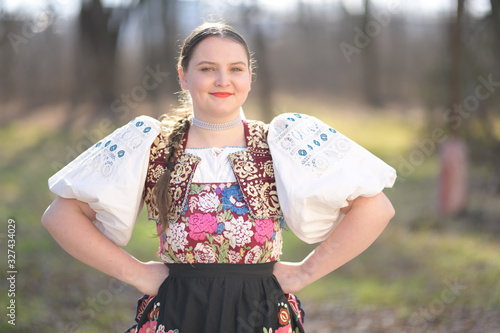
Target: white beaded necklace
point(216, 127)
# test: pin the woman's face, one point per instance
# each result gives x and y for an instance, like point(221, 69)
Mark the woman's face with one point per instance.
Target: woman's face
point(218, 79)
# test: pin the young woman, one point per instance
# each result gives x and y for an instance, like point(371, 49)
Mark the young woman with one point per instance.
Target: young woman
point(220, 189)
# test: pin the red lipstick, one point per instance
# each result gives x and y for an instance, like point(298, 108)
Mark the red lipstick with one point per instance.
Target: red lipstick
point(221, 94)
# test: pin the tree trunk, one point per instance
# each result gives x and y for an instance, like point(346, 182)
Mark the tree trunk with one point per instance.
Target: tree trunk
point(97, 45)
point(371, 64)
point(453, 176)
point(264, 85)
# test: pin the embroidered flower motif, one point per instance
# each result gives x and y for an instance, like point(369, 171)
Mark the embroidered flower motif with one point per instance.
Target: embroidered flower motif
point(200, 224)
point(208, 202)
point(295, 305)
point(219, 239)
point(264, 230)
point(220, 228)
point(153, 315)
point(232, 199)
point(221, 218)
point(157, 172)
point(253, 255)
point(148, 327)
point(205, 254)
point(177, 236)
point(284, 316)
point(192, 203)
point(161, 329)
point(257, 135)
point(190, 258)
point(234, 257)
point(182, 259)
point(284, 329)
point(277, 244)
point(238, 231)
point(165, 257)
point(269, 169)
point(220, 188)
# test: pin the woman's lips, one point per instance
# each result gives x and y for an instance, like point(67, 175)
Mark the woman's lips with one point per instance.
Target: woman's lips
point(221, 94)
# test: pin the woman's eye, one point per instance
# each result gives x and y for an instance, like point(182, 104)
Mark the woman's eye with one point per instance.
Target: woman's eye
point(206, 69)
point(237, 69)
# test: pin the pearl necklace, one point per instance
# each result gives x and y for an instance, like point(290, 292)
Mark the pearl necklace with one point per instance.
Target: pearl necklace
point(216, 127)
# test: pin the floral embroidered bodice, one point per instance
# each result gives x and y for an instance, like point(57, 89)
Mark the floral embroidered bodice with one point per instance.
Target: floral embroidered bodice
point(236, 220)
point(216, 227)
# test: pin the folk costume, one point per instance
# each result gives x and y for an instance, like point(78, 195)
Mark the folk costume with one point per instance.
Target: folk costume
point(225, 220)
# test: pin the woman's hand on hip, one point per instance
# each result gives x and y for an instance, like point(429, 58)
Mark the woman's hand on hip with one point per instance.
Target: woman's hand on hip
point(290, 276)
point(152, 275)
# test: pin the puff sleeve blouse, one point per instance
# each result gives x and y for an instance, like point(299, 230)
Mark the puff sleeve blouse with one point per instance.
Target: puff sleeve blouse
point(110, 177)
point(317, 170)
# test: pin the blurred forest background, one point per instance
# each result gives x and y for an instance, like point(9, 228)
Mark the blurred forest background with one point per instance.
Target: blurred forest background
point(417, 83)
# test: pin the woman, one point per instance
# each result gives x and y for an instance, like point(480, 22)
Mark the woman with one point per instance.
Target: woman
point(211, 181)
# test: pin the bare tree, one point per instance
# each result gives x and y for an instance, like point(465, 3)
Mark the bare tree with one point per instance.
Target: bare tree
point(95, 67)
point(371, 65)
point(265, 84)
point(453, 176)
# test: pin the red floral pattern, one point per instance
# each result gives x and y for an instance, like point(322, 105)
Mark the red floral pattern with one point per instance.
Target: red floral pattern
point(201, 224)
point(216, 227)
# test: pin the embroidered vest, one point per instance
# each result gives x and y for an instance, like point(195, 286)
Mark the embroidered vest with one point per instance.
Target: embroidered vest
point(252, 167)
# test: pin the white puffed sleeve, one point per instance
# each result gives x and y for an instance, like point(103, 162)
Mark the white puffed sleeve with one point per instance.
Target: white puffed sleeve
point(110, 177)
point(317, 170)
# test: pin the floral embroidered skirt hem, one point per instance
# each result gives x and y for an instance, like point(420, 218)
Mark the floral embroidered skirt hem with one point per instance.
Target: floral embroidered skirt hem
point(223, 298)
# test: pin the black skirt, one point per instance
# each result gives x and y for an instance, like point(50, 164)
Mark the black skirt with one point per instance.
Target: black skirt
point(220, 298)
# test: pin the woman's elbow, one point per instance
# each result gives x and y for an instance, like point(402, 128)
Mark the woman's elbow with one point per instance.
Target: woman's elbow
point(52, 214)
point(387, 207)
point(47, 218)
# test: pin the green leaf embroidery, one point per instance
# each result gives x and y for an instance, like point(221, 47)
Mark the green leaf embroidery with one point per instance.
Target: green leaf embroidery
point(228, 215)
point(224, 251)
point(265, 253)
point(172, 255)
point(196, 189)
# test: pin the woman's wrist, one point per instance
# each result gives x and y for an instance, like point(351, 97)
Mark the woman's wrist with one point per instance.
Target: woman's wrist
point(133, 272)
point(304, 274)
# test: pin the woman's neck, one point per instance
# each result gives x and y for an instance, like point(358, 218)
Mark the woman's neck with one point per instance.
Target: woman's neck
point(202, 138)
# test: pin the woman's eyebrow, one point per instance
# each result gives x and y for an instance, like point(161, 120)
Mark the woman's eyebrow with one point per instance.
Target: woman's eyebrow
point(205, 62)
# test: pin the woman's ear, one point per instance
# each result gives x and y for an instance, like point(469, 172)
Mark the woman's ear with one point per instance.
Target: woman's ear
point(182, 79)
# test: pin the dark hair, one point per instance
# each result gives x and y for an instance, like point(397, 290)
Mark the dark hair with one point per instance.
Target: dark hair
point(206, 30)
point(174, 127)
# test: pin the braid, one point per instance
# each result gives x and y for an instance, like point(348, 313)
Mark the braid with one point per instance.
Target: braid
point(161, 190)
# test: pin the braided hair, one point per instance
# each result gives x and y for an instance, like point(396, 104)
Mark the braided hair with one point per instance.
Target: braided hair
point(161, 192)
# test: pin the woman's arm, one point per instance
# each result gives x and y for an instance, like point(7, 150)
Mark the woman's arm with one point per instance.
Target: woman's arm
point(69, 221)
point(365, 219)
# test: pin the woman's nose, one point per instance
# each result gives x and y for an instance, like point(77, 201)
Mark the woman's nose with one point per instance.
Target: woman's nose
point(222, 79)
